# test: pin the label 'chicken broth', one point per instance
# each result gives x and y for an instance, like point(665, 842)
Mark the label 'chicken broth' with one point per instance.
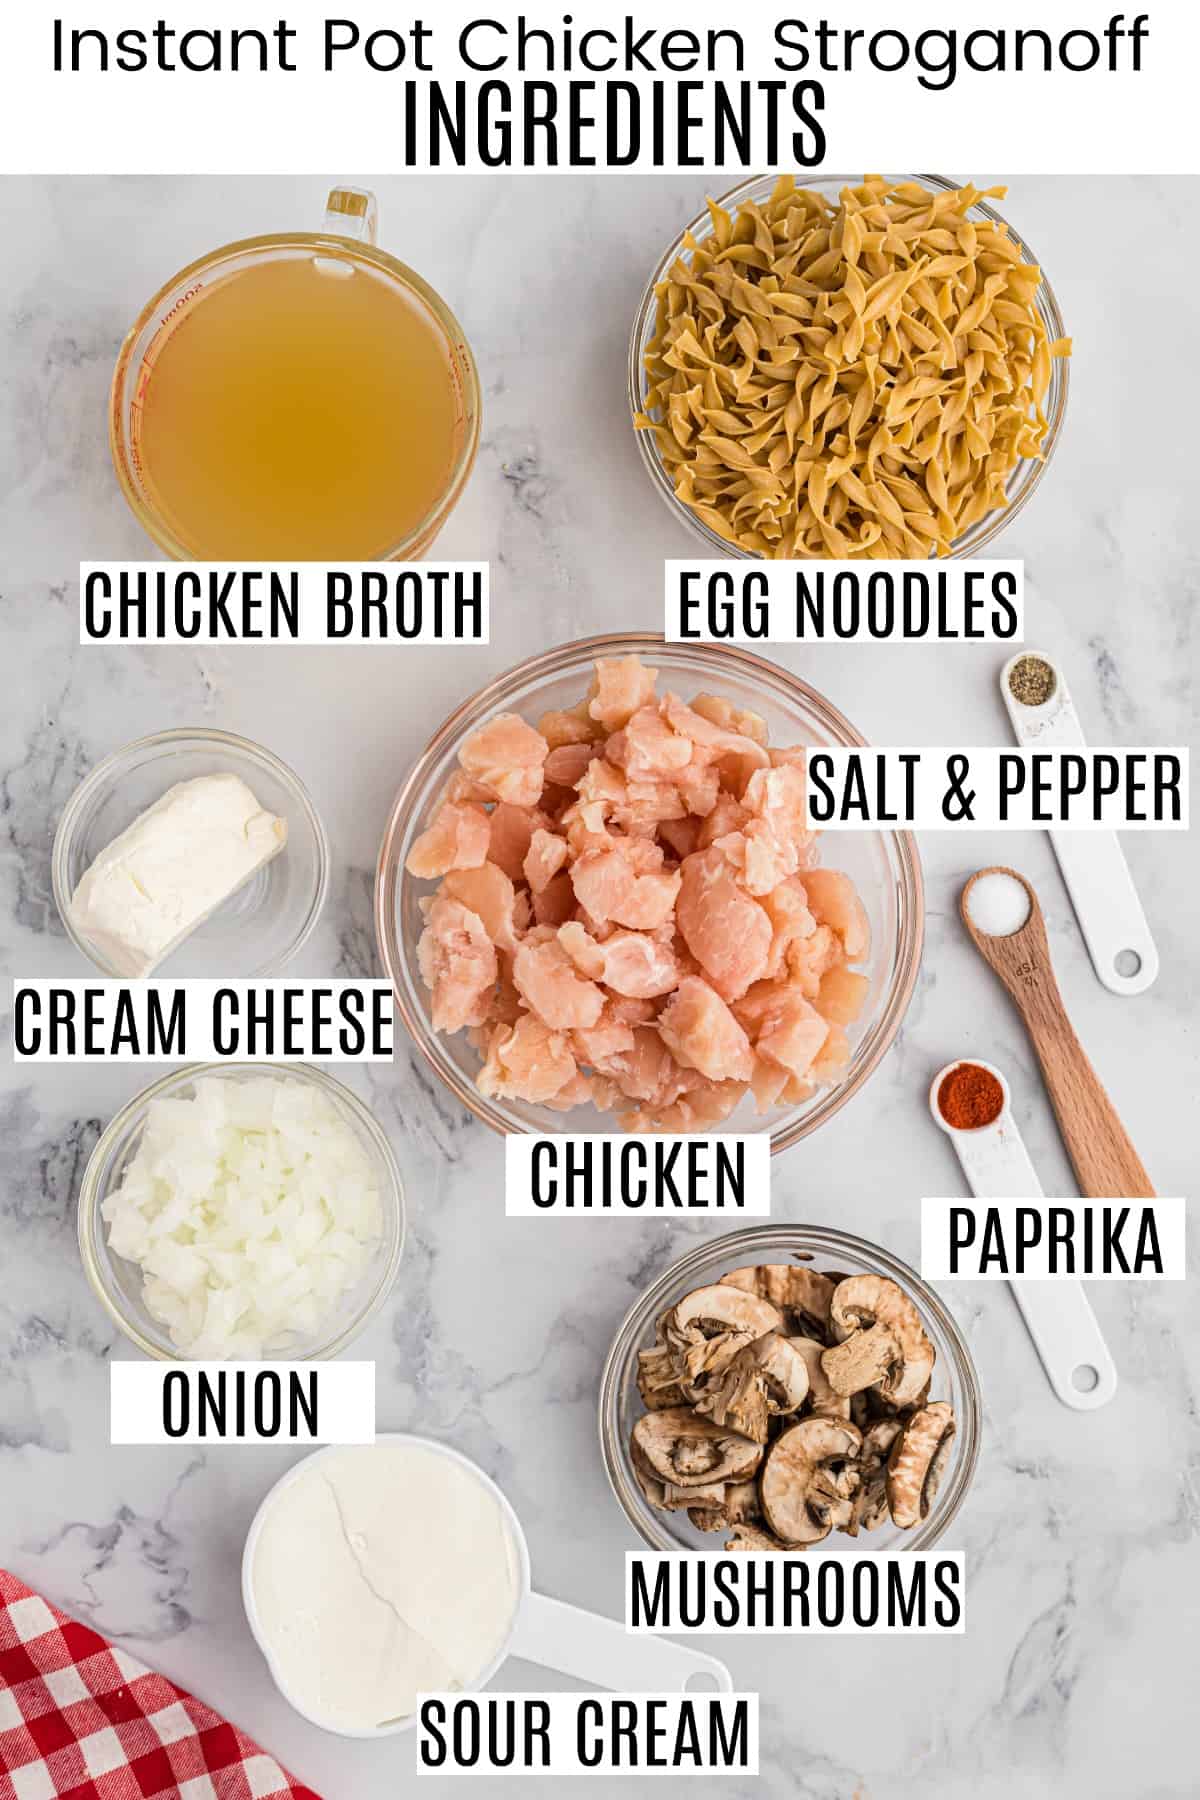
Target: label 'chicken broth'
point(301, 408)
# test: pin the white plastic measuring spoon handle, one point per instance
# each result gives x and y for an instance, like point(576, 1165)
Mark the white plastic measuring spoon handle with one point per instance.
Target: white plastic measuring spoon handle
point(1069, 1341)
point(1110, 915)
point(601, 1653)
point(1093, 866)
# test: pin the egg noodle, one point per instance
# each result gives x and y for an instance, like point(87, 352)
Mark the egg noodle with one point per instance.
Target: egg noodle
point(849, 380)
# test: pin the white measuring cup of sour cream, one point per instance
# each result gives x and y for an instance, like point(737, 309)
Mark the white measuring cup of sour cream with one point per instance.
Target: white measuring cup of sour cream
point(351, 1536)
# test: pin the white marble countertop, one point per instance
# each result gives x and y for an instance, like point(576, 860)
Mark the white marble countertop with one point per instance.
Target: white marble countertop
point(1076, 1676)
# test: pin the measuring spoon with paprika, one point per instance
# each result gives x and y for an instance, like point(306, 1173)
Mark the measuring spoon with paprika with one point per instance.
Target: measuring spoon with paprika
point(969, 1101)
point(1105, 1161)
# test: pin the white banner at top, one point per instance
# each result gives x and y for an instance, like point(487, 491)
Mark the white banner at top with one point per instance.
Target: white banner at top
point(1060, 86)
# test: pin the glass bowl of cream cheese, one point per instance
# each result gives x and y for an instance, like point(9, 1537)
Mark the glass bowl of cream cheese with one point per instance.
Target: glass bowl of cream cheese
point(193, 852)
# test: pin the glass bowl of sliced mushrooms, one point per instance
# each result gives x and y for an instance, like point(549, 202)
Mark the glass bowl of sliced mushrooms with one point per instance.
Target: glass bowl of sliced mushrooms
point(785, 1386)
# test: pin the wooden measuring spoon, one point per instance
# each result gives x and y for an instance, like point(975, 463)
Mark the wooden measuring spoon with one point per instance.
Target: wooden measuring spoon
point(1105, 1161)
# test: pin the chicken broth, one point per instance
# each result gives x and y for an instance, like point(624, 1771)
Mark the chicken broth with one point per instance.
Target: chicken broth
point(301, 408)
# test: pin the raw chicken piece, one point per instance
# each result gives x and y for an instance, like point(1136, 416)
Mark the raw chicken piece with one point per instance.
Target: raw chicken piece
point(638, 965)
point(577, 1092)
point(489, 893)
point(547, 981)
point(556, 902)
point(726, 930)
point(602, 1045)
point(767, 1084)
point(457, 960)
point(560, 728)
point(833, 901)
point(457, 839)
point(582, 949)
point(842, 995)
point(809, 959)
point(607, 884)
point(725, 714)
point(739, 756)
point(787, 908)
point(621, 685)
point(792, 1035)
point(699, 787)
point(511, 828)
point(507, 756)
point(648, 746)
point(701, 1033)
point(565, 766)
point(649, 1071)
point(725, 815)
point(834, 1056)
point(544, 858)
point(526, 1061)
point(680, 835)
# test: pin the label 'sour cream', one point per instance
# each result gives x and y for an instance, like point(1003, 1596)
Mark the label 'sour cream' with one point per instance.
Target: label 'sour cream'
point(813, 1591)
point(600, 1173)
point(242, 1403)
point(1046, 1240)
point(586, 1734)
point(992, 789)
point(199, 1019)
point(838, 602)
point(284, 603)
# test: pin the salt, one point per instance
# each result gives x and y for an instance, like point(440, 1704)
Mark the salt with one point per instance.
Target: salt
point(998, 904)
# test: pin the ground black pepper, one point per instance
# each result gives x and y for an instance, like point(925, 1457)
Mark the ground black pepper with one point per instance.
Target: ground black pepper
point(1032, 681)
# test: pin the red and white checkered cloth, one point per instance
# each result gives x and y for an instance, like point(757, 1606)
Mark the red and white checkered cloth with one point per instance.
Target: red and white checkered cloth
point(82, 1720)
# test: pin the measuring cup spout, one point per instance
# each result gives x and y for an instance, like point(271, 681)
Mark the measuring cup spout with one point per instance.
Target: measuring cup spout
point(601, 1653)
point(352, 213)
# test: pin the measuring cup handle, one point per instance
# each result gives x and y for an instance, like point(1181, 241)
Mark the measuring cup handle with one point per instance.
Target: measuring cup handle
point(352, 213)
point(601, 1653)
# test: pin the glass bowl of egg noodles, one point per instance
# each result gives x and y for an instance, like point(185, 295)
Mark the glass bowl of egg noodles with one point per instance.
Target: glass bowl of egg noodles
point(883, 866)
point(776, 435)
point(243, 1210)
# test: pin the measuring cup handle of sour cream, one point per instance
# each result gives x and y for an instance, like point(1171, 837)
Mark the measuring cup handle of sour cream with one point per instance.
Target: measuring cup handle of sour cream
point(601, 1653)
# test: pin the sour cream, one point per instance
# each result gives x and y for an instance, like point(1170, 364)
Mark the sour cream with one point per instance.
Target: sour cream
point(379, 1573)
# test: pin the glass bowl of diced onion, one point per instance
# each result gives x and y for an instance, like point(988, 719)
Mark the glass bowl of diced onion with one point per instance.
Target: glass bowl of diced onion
point(1022, 480)
point(318, 1314)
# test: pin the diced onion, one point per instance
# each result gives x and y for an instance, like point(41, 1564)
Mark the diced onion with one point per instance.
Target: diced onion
point(251, 1209)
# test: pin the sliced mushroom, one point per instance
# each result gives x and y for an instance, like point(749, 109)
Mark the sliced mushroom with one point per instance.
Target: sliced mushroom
point(917, 1462)
point(871, 1501)
point(823, 1403)
point(863, 1301)
point(686, 1451)
point(753, 1537)
point(809, 1478)
point(739, 1505)
point(862, 1360)
point(708, 1327)
point(801, 1294)
point(658, 1383)
point(766, 1379)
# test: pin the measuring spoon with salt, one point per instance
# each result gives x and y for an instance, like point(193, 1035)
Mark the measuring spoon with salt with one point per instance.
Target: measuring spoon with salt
point(1004, 921)
point(1093, 865)
point(1058, 1314)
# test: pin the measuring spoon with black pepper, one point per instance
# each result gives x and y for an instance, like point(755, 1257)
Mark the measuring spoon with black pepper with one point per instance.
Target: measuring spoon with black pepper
point(1104, 1159)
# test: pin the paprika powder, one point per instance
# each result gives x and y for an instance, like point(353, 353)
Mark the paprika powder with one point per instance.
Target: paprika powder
point(969, 1097)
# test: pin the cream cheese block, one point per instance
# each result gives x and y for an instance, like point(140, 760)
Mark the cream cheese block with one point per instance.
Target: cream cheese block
point(165, 873)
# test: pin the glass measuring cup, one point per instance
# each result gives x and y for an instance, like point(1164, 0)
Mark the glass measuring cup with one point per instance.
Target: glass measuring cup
point(344, 246)
point(585, 1645)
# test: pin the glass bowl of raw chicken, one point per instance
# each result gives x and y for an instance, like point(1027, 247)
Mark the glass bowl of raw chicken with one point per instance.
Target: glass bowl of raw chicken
point(787, 1386)
point(600, 908)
